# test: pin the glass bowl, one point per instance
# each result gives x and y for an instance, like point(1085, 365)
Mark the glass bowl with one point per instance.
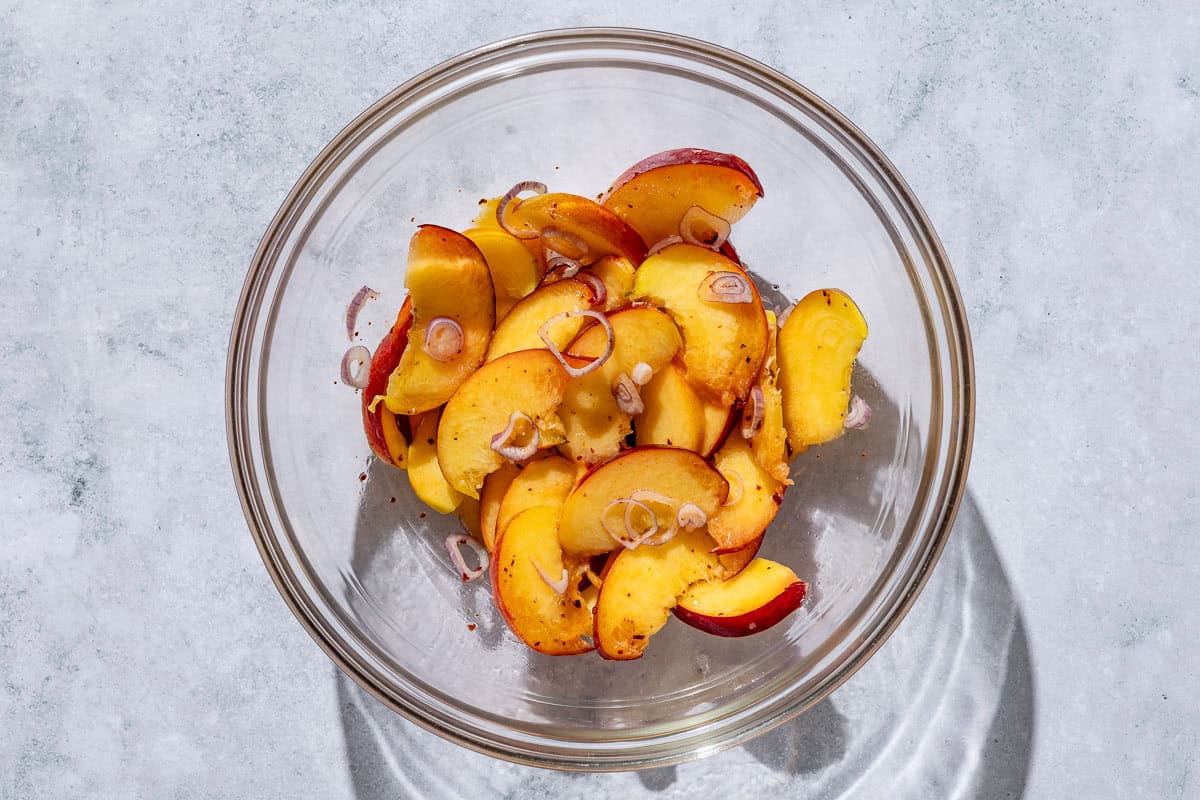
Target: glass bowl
point(360, 561)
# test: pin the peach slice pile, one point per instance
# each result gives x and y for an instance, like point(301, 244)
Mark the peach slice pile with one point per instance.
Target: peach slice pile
point(596, 388)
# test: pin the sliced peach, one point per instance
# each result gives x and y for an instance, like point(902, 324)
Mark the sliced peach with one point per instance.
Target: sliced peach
point(595, 425)
point(469, 516)
point(654, 194)
point(770, 443)
point(674, 416)
point(486, 219)
point(758, 597)
point(447, 277)
point(724, 344)
point(719, 420)
point(747, 517)
point(424, 473)
point(576, 218)
point(519, 330)
point(383, 432)
point(817, 347)
point(491, 495)
point(545, 482)
point(530, 382)
point(515, 272)
point(640, 587)
point(737, 560)
point(549, 622)
point(617, 274)
point(678, 474)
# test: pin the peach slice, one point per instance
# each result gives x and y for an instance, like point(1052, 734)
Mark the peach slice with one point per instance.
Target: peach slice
point(515, 272)
point(758, 597)
point(674, 416)
point(549, 622)
point(545, 482)
point(718, 422)
point(603, 232)
point(519, 330)
point(640, 588)
point(495, 486)
point(617, 274)
point(817, 347)
point(384, 435)
point(486, 219)
point(595, 425)
point(724, 344)
point(654, 194)
point(747, 517)
point(678, 474)
point(529, 382)
point(447, 277)
point(737, 560)
point(424, 473)
point(468, 515)
point(770, 443)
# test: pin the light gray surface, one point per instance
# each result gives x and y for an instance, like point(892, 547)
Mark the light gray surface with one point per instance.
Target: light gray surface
point(144, 651)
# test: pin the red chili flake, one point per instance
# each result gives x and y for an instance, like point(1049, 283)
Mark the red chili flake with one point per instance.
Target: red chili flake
point(421, 515)
point(362, 476)
point(392, 500)
point(470, 626)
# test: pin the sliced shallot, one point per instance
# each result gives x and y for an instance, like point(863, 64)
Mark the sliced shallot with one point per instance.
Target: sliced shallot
point(641, 373)
point(737, 488)
point(697, 222)
point(725, 287)
point(752, 415)
point(859, 415)
point(443, 339)
point(628, 537)
point(663, 244)
point(575, 372)
point(559, 586)
point(663, 536)
point(783, 315)
point(691, 516)
point(454, 543)
point(599, 290)
point(502, 207)
point(360, 298)
point(561, 266)
point(629, 399)
point(354, 366)
point(505, 442)
point(556, 240)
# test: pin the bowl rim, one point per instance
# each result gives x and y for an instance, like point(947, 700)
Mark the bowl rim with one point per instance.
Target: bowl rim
point(958, 335)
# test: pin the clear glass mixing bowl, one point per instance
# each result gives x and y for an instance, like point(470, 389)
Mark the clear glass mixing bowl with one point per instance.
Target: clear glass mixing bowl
point(360, 561)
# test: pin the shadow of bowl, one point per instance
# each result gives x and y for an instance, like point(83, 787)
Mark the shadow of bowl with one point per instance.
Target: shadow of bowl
point(944, 709)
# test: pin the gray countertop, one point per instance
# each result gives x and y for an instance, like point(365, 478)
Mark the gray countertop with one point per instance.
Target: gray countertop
point(143, 649)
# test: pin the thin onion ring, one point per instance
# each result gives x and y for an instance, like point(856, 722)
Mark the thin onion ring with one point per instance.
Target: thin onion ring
point(663, 244)
point(360, 298)
point(537, 187)
point(858, 417)
point(454, 543)
point(691, 516)
point(595, 364)
point(560, 265)
point(502, 441)
point(630, 540)
point(551, 232)
point(443, 339)
point(697, 215)
point(731, 500)
point(725, 286)
point(646, 496)
point(629, 399)
point(359, 376)
point(752, 415)
point(559, 586)
point(599, 290)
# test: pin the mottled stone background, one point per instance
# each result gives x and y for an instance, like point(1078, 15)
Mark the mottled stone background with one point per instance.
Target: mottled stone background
point(143, 149)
